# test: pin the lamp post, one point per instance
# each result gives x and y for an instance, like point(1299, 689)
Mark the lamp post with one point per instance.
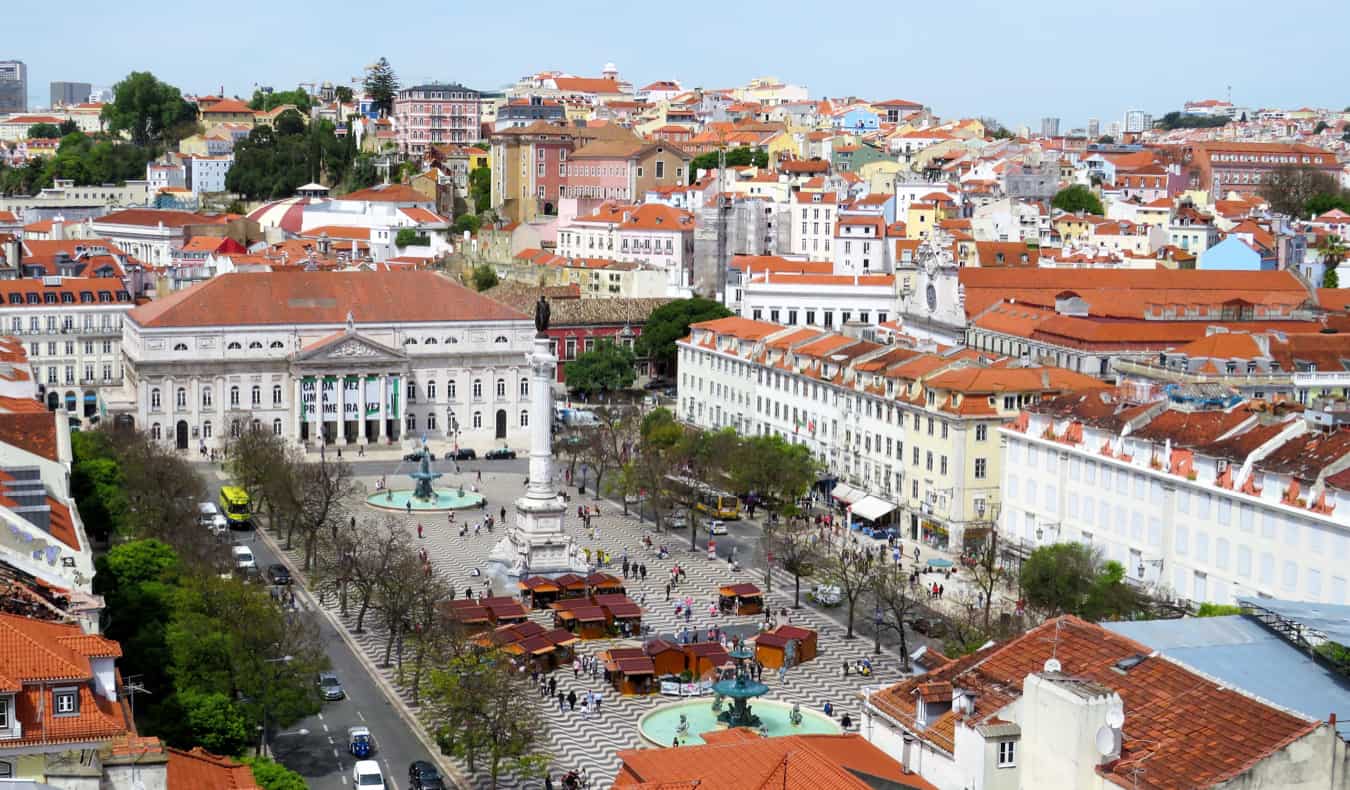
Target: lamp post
point(262, 746)
point(876, 630)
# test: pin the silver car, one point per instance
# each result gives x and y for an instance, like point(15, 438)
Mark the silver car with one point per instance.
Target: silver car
point(330, 688)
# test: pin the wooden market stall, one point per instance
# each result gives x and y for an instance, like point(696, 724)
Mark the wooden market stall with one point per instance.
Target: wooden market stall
point(667, 657)
point(570, 585)
point(772, 647)
point(504, 610)
point(582, 618)
point(604, 584)
point(741, 598)
point(703, 657)
point(623, 612)
point(629, 670)
point(509, 634)
point(539, 591)
point(467, 614)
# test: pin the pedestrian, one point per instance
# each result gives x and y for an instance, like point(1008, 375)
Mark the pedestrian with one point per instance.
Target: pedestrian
point(503, 514)
point(480, 475)
point(576, 667)
point(339, 453)
point(829, 709)
point(419, 530)
point(360, 451)
point(667, 591)
point(408, 505)
point(572, 700)
point(845, 669)
point(941, 590)
point(643, 569)
point(845, 722)
point(561, 700)
point(688, 613)
point(548, 782)
point(552, 685)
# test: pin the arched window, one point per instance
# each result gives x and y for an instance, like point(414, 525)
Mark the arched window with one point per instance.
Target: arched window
point(180, 398)
point(501, 388)
point(256, 397)
point(154, 399)
point(451, 340)
point(180, 346)
point(276, 427)
point(276, 394)
point(431, 390)
point(206, 429)
point(256, 425)
point(431, 421)
point(412, 422)
point(155, 432)
point(255, 345)
point(206, 397)
point(450, 389)
point(431, 341)
point(478, 419)
point(234, 397)
point(233, 346)
point(501, 339)
point(234, 429)
point(524, 418)
point(412, 341)
point(524, 388)
point(276, 344)
point(477, 389)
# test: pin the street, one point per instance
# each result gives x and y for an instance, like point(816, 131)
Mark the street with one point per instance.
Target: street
point(320, 755)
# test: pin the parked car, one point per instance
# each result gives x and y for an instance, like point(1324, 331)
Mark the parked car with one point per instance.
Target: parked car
point(499, 453)
point(360, 743)
point(422, 775)
point(716, 527)
point(416, 455)
point(243, 559)
point(330, 688)
point(207, 512)
point(929, 626)
point(465, 454)
point(657, 383)
point(366, 774)
point(278, 574)
point(826, 595)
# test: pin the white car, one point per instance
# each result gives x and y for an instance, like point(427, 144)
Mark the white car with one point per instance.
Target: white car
point(243, 558)
point(827, 595)
point(716, 527)
point(366, 773)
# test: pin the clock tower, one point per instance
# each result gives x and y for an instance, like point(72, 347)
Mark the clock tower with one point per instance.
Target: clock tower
point(931, 300)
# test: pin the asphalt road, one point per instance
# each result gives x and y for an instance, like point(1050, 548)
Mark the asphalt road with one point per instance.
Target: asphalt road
point(320, 755)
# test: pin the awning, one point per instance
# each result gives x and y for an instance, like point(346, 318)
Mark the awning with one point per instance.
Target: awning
point(846, 493)
point(872, 508)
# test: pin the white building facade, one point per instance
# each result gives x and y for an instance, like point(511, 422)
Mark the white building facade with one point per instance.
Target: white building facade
point(337, 358)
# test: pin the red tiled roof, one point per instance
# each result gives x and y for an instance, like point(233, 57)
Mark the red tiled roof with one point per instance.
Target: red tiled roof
point(198, 769)
point(300, 297)
point(152, 217)
point(388, 193)
point(34, 431)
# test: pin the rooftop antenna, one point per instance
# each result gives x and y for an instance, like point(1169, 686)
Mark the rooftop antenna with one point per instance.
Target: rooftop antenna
point(1052, 663)
point(130, 689)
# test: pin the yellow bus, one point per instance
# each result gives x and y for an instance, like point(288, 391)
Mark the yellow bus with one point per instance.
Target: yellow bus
point(716, 503)
point(234, 504)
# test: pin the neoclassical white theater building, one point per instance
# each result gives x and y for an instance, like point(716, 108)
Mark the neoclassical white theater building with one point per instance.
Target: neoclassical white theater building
point(343, 358)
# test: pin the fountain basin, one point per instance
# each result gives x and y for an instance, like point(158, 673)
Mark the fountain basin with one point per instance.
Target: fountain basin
point(658, 726)
point(445, 499)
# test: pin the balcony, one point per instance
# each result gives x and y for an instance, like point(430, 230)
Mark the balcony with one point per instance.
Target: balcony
point(1322, 379)
point(1159, 373)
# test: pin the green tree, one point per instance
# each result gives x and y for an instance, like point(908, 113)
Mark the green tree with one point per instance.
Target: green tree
point(1326, 201)
point(343, 94)
point(994, 128)
point(1320, 127)
point(85, 161)
point(1331, 279)
point(1077, 198)
point(606, 368)
point(272, 775)
point(1071, 578)
point(273, 163)
point(743, 156)
point(149, 110)
point(382, 86)
point(270, 101)
point(1217, 610)
point(670, 322)
point(480, 188)
point(407, 237)
point(465, 222)
point(26, 180)
point(645, 472)
point(67, 127)
point(216, 722)
point(43, 131)
point(1178, 120)
point(484, 277)
point(1106, 139)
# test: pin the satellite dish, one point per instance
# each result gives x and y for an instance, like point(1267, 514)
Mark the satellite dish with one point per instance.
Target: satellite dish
point(1115, 717)
point(1052, 665)
point(1108, 741)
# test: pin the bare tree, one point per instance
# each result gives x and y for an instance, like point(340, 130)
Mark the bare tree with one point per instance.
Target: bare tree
point(162, 491)
point(432, 633)
point(854, 573)
point(323, 489)
point(374, 553)
point(896, 604)
point(793, 543)
point(396, 591)
point(605, 446)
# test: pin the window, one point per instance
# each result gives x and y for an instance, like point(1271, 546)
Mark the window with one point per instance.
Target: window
point(276, 394)
point(206, 397)
point(431, 390)
point(276, 427)
point(660, 169)
point(478, 419)
point(1007, 754)
point(524, 388)
point(4, 716)
point(234, 397)
point(524, 418)
point(155, 432)
point(255, 397)
point(180, 398)
point(501, 388)
point(981, 433)
point(450, 389)
point(412, 422)
point(206, 429)
point(66, 702)
point(477, 389)
point(981, 468)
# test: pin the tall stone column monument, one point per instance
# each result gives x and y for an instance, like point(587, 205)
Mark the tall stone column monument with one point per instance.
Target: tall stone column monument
point(536, 543)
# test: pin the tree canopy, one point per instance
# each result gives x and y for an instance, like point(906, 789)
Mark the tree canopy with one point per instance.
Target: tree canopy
point(1292, 189)
point(606, 368)
point(670, 322)
point(43, 131)
point(270, 101)
point(480, 188)
point(1178, 120)
point(1077, 198)
point(742, 156)
point(272, 163)
point(343, 94)
point(382, 85)
point(1072, 578)
point(149, 110)
point(484, 277)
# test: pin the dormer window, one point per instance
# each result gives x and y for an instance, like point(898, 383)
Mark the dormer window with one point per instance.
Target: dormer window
point(66, 702)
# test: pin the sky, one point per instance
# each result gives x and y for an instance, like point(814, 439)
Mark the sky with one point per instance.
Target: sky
point(1015, 61)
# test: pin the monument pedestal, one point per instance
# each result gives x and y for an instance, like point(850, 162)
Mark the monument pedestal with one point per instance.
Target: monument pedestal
point(536, 544)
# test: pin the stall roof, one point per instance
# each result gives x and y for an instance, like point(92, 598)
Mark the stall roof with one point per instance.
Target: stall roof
point(588, 614)
point(603, 580)
point(656, 646)
point(872, 508)
point(743, 590)
point(846, 493)
point(569, 580)
point(539, 584)
point(636, 666)
point(623, 610)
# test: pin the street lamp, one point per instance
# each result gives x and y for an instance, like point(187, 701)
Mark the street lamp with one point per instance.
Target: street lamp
point(1158, 563)
point(876, 630)
point(262, 747)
